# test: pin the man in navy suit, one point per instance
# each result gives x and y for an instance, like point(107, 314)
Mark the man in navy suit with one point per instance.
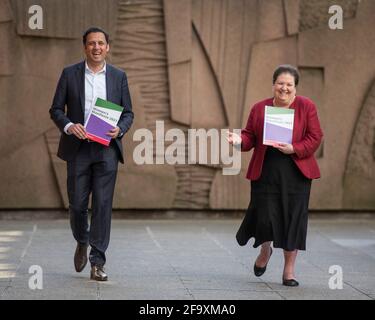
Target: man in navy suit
point(91, 167)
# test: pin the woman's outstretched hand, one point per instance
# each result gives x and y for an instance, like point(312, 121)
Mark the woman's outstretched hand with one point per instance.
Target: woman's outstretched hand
point(284, 148)
point(233, 138)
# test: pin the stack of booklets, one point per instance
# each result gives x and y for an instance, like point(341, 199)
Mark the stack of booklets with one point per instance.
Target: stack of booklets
point(278, 125)
point(103, 117)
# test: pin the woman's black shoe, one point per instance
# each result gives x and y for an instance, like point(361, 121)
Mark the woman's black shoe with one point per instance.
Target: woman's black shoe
point(259, 271)
point(290, 282)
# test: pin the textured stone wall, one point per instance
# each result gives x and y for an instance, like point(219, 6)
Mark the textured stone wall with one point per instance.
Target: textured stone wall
point(192, 64)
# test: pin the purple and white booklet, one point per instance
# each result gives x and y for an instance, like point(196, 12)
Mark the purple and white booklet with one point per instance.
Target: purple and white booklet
point(278, 125)
point(104, 116)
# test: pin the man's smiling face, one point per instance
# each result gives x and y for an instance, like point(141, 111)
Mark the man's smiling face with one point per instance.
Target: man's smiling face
point(96, 48)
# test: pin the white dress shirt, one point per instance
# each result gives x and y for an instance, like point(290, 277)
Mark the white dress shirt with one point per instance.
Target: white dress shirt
point(95, 87)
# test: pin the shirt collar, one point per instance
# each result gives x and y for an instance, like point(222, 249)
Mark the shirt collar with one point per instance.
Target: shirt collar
point(104, 69)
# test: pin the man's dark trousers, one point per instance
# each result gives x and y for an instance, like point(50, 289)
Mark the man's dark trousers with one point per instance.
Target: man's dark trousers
point(93, 169)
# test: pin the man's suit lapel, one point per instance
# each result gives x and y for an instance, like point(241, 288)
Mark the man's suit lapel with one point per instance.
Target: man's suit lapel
point(80, 74)
point(109, 83)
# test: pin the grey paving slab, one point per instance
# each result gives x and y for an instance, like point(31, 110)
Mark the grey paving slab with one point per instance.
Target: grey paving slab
point(235, 295)
point(185, 259)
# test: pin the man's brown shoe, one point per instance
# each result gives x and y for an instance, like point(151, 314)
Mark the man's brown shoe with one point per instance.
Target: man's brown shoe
point(98, 274)
point(80, 257)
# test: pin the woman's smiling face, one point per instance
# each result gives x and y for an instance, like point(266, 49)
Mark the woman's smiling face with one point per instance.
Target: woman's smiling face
point(284, 89)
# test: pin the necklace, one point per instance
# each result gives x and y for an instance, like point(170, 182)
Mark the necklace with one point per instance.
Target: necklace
point(288, 106)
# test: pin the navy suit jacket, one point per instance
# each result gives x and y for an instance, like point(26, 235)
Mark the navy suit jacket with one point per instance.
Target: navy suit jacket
point(70, 93)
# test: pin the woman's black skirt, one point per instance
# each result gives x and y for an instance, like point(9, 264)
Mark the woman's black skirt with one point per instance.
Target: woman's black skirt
point(278, 210)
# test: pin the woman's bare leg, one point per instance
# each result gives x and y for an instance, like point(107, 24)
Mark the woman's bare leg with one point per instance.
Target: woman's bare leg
point(264, 255)
point(290, 261)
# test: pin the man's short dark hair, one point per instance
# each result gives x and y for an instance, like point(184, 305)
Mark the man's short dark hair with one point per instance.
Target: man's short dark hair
point(92, 30)
point(286, 68)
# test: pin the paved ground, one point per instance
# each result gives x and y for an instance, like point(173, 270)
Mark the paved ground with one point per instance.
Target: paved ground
point(185, 259)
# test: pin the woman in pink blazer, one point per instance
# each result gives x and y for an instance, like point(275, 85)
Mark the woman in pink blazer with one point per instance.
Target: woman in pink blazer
point(280, 176)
